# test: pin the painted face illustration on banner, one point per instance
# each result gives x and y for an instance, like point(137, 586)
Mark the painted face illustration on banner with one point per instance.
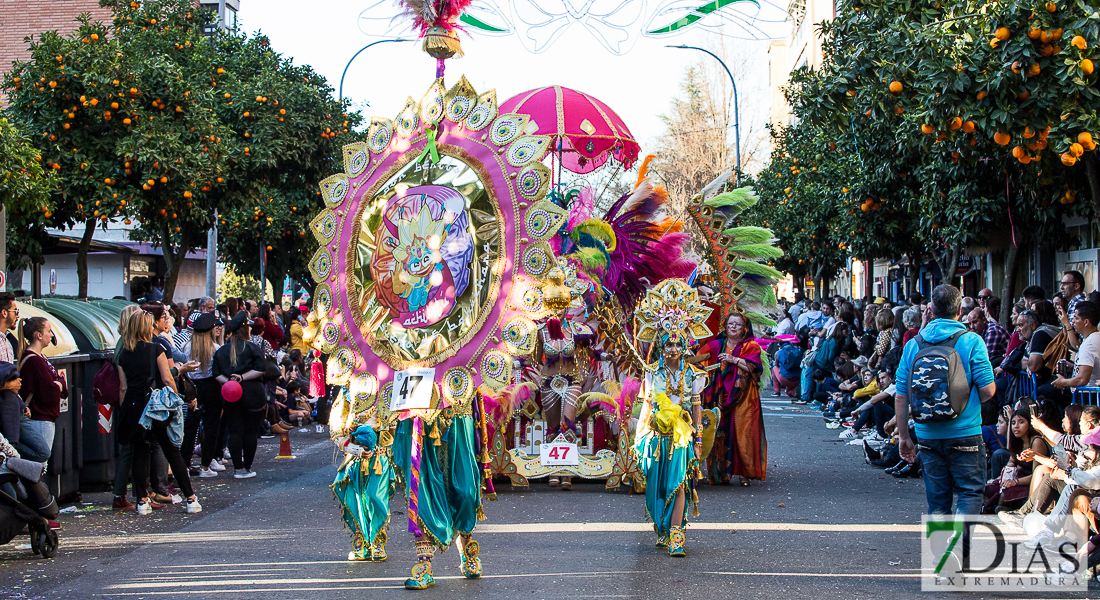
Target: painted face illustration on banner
point(424, 233)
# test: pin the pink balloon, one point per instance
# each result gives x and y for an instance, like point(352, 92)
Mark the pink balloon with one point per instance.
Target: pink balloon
point(231, 391)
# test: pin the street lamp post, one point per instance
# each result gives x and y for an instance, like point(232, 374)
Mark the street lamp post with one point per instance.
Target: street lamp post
point(357, 54)
point(736, 110)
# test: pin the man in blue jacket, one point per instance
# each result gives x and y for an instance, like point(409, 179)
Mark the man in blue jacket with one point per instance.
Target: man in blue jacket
point(951, 452)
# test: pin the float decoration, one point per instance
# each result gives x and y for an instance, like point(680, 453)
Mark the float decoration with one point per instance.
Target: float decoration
point(585, 132)
point(737, 253)
point(428, 257)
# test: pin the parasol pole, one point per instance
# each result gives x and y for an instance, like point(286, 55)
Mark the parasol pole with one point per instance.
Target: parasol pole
point(736, 111)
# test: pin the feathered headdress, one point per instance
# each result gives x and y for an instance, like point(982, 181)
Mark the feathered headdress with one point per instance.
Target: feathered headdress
point(737, 253)
point(631, 246)
point(437, 22)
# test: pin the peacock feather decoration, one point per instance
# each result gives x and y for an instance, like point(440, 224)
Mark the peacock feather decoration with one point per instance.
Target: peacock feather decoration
point(737, 253)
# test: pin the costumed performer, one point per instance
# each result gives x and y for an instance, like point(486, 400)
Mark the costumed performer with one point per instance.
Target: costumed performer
point(562, 351)
point(741, 446)
point(668, 440)
point(365, 480)
point(436, 451)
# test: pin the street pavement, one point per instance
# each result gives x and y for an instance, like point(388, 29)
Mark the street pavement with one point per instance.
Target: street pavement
point(824, 525)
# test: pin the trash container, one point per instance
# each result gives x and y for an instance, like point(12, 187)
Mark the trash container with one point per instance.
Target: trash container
point(94, 329)
point(63, 476)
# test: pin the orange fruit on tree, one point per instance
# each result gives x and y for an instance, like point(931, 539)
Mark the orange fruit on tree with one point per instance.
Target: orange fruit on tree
point(895, 88)
point(1076, 149)
point(982, 94)
point(1018, 152)
point(1079, 42)
point(1068, 159)
point(1056, 34)
point(1028, 132)
point(1034, 33)
point(956, 123)
point(1046, 50)
point(993, 42)
point(187, 194)
point(927, 129)
point(1034, 70)
point(1084, 138)
point(1002, 33)
point(968, 126)
point(1024, 95)
point(1051, 6)
point(1086, 66)
point(1001, 138)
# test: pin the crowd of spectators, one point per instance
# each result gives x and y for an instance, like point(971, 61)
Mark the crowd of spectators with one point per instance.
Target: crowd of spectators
point(1026, 444)
point(165, 440)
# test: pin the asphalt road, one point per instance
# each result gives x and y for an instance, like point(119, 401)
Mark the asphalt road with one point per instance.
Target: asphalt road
point(824, 525)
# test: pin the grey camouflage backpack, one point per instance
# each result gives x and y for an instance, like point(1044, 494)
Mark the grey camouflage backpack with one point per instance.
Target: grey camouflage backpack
point(938, 390)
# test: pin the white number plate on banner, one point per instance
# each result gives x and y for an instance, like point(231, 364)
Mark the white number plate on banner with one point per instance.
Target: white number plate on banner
point(560, 454)
point(412, 389)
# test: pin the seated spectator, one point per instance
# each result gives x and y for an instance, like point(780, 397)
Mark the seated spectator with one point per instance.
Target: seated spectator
point(786, 325)
point(1082, 472)
point(42, 388)
point(1087, 365)
point(910, 319)
point(1010, 489)
point(787, 370)
point(884, 342)
point(995, 438)
point(995, 336)
point(876, 411)
point(293, 406)
point(1033, 294)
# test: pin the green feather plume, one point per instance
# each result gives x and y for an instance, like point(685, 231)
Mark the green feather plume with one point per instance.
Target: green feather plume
point(739, 199)
point(590, 258)
point(764, 293)
point(750, 235)
point(755, 268)
point(598, 229)
point(757, 251)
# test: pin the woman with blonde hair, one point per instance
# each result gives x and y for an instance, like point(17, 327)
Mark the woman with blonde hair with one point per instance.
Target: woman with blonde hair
point(142, 368)
point(201, 349)
point(125, 450)
point(884, 323)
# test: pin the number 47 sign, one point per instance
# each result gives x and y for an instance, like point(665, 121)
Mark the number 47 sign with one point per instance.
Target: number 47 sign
point(558, 454)
point(412, 389)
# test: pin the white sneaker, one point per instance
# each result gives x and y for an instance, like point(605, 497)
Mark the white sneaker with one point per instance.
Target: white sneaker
point(848, 434)
point(176, 498)
point(243, 474)
point(216, 466)
point(1011, 519)
point(144, 508)
point(1040, 539)
point(207, 473)
point(874, 437)
point(193, 505)
point(225, 455)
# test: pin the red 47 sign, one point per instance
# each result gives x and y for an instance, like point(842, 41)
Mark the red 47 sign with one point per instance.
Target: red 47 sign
point(558, 454)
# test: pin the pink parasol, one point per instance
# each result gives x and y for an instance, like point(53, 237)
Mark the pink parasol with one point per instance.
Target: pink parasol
point(587, 130)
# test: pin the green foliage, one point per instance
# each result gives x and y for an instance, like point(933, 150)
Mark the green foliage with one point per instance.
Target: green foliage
point(148, 119)
point(234, 284)
point(923, 166)
point(24, 191)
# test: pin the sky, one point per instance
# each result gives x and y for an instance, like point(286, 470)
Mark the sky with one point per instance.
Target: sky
point(639, 86)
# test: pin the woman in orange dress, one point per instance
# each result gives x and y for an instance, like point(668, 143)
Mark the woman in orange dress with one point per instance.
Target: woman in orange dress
point(735, 362)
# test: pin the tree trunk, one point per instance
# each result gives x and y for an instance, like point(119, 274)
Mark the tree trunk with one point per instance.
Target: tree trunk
point(1008, 286)
point(948, 262)
point(869, 276)
point(82, 259)
point(174, 258)
point(914, 275)
point(1093, 173)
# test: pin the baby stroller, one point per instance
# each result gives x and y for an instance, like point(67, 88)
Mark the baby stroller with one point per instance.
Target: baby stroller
point(34, 510)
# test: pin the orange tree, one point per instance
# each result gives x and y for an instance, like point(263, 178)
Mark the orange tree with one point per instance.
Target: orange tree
point(952, 99)
point(121, 114)
point(291, 129)
point(25, 188)
point(801, 193)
